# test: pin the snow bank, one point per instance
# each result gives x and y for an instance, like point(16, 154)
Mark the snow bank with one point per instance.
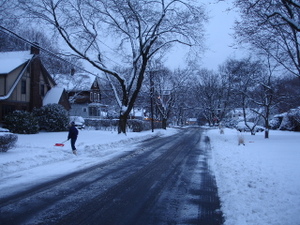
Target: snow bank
point(35, 158)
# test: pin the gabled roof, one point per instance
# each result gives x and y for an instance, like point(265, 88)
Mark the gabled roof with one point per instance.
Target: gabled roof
point(8, 63)
point(53, 96)
point(77, 82)
point(11, 60)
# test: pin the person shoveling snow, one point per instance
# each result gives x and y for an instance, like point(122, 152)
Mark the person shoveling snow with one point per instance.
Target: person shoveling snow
point(73, 133)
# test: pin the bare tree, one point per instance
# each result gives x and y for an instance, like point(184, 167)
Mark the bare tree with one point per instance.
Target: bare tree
point(289, 92)
point(7, 19)
point(207, 86)
point(167, 90)
point(272, 27)
point(265, 95)
point(6, 8)
point(244, 76)
point(127, 33)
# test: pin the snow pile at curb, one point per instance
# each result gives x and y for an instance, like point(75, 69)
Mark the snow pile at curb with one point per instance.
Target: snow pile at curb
point(35, 159)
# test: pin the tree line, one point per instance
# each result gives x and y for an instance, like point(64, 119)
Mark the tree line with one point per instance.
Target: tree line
point(127, 41)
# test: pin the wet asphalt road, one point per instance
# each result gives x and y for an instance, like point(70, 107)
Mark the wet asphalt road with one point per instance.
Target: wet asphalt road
point(164, 181)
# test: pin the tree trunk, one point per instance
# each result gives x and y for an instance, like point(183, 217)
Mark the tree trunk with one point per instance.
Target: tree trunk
point(122, 123)
point(164, 124)
point(267, 123)
point(267, 133)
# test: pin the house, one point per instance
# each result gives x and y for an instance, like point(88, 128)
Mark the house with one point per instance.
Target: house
point(24, 82)
point(236, 114)
point(84, 94)
point(138, 113)
point(191, 121)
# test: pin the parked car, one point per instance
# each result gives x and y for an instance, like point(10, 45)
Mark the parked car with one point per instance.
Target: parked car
point(79, 121)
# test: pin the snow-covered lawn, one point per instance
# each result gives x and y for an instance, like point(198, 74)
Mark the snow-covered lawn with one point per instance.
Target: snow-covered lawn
point(259, 183)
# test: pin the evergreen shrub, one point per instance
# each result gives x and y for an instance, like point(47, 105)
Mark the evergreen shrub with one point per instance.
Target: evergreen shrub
point(52, 117)
point(21, 122)
point(135, 125)
point(7, 141)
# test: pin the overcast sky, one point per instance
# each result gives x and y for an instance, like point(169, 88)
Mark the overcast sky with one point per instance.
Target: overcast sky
point(218, 41)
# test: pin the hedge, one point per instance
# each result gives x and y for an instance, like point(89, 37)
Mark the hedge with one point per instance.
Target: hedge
point(133, 125)
point(7, 141)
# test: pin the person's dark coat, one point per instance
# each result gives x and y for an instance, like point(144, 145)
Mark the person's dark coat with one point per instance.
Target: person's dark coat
point(73, 132)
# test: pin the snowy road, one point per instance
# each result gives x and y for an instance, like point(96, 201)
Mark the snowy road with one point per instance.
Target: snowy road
point(165, 180)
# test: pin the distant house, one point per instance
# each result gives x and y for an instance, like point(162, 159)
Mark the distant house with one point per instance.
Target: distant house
point(138, 113)
point(236, 114)
point(84, 95)
point(24, 82)
point(191, 121)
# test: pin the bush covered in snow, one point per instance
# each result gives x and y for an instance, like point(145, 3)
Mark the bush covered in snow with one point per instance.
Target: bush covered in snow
point(288, 121)
point(102, 124)
point(275, 123)
point(291, 121)
point(242, 127)
point(141, 125)
point(22, 122)
point(52, 117)
point(7, 141)
point(136, 125)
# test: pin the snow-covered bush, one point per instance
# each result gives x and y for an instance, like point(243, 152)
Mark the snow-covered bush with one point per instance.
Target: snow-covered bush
point(290, 120)
point(7, 141)
point(52, 117)
point(241, 126)
point(275, 123)
point(135, 125)
point(22, 122)
point(102, 124)
point(141, 125)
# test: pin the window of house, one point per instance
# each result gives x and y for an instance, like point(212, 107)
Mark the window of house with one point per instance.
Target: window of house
point(91, 96)
point(95, 97)
point(42, 89)
point(92, 111)
point(23, 87)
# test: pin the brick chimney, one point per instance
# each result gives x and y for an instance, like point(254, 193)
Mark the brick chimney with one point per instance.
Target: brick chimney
point(35, 50)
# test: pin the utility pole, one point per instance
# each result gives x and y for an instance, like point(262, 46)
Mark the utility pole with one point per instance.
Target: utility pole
point(151, 99)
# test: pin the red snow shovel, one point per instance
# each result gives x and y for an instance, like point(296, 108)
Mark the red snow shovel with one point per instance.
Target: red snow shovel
point(60, 144)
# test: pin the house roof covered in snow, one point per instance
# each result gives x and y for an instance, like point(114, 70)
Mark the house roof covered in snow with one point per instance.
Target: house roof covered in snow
point(11, 60)
point(77, 82)
point(191, 120)
point(53, 96)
